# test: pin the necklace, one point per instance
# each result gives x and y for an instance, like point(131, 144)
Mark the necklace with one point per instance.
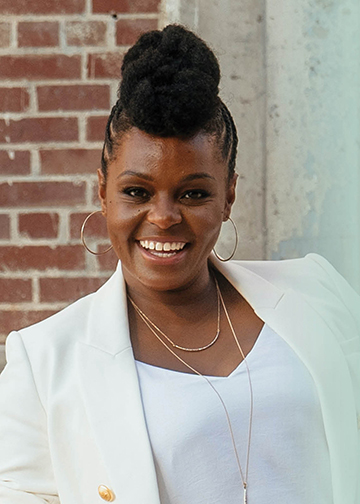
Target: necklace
point(149, 322)
point(153, 328)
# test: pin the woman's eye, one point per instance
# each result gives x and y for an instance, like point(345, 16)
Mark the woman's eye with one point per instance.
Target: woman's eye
point(195, 195)
point(137, 192)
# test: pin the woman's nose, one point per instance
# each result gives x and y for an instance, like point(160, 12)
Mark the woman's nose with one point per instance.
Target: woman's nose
point(164, 213)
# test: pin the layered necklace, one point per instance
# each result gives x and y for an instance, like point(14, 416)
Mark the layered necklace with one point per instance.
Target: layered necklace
point(164, 340)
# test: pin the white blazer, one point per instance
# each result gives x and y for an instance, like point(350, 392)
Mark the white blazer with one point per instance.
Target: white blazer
point(71, 416)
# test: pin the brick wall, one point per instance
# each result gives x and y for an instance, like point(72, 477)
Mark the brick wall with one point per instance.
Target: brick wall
point(59, 71)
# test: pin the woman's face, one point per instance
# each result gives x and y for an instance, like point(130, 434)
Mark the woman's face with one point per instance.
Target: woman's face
point(165, 200)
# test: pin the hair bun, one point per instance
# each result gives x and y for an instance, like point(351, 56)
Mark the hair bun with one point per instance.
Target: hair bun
point(170, 82)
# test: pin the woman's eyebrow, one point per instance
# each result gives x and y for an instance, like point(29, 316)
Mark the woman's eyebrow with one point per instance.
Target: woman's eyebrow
point(132, 173)
point(145, 176)
point(200, 175)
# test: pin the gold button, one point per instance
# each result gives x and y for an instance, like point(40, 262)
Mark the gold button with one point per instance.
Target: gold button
point(105, 493)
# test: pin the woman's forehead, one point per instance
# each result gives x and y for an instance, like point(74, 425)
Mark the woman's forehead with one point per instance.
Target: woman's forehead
point(141, 151)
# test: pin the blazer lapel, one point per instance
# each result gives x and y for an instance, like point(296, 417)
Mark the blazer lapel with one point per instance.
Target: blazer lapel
point(289, 315)
point(108, 375)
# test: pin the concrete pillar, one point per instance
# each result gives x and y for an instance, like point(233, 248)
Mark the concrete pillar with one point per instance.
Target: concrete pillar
point(312, 131)
point(291, 78)
point(234, 30)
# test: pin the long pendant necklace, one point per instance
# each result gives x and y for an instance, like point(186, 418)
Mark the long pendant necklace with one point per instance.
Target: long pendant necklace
point(155, 330)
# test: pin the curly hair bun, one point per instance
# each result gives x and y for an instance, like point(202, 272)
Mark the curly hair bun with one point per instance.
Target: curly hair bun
point(170, 82)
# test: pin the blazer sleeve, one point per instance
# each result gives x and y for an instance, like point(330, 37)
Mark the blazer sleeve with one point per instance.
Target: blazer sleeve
point(26, 475)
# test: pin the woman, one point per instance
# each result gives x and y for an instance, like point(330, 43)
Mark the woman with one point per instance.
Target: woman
point(183, 379)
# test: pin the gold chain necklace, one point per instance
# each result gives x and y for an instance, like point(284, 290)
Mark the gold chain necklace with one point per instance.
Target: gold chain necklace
point(174, 345)
point(153, 328)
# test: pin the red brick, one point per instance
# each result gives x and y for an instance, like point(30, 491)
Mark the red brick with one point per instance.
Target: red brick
point(30, 194)
point(54, 290)
point(15, 290)
point(129, 30)
point(14, 162)
point(90, 33)
point(62, 257)
point(108, 261)
point(40, 129)
point(120, 6)
point(95, 128)
point(13, 320)
point(40, 66)
point(18, 7)
point(39, 225)
point(4, 227)
point(13, 99)
point(104, 65)
point(38, 34)
point(70, 161)
point(73, 97)
point(95, 226)
point(5, 34)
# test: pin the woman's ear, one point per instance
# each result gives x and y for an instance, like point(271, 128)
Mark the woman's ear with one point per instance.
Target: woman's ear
point(230, 196)
point(102, 190)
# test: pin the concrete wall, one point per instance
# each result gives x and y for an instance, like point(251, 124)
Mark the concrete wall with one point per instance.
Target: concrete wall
point(312, 133)
point(291, 79)
point(234, 30)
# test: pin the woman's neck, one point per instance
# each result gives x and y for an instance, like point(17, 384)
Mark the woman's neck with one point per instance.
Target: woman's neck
point(199, 293)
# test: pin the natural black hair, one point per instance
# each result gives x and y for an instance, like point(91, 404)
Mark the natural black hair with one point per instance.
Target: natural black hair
point(169, 87)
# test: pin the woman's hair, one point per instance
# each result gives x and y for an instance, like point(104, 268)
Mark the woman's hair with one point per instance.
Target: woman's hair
point(169, 87)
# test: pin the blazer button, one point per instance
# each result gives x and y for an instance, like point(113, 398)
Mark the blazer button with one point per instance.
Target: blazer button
point(105, 493)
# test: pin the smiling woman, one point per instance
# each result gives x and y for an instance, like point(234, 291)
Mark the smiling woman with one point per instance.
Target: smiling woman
point(183, 380)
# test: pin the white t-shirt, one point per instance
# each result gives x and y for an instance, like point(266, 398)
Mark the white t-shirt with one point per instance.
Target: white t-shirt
point(194, 457)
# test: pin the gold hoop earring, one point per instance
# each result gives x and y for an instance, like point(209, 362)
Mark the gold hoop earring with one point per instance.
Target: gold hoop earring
point(235, 247)
point(82, 235)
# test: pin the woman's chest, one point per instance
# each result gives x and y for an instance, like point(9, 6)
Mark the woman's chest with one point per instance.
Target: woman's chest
point(192, 443)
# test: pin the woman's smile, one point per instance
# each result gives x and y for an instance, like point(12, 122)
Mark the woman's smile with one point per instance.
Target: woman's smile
point(162, 249)
point(156, 246)
point(167, 252)
point(165, 200)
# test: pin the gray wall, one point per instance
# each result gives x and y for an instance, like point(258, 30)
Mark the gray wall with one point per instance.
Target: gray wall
point(291, 78)
point(235, 31)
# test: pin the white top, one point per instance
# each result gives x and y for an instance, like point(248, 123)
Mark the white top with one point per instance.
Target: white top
point(191, 443)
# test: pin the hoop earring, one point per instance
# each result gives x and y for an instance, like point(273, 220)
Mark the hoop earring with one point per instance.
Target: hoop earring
point(235, 247)
point(82, 236)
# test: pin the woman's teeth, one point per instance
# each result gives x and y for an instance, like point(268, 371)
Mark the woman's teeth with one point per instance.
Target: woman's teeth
point(162, 249)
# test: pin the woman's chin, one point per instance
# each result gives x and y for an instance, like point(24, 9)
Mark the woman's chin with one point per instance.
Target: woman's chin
point(163, 279)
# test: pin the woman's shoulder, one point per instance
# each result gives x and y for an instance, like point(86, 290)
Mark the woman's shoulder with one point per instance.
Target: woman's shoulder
point(304, 271)
point(285, 267)
point(57, 331)
point(311, 276)
point(51, 348)
point(65, 327)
